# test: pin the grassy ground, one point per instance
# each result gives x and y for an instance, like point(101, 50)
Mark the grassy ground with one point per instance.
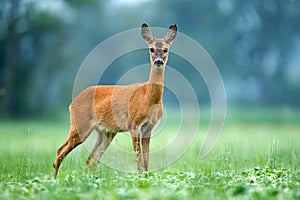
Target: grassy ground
point(256, 157)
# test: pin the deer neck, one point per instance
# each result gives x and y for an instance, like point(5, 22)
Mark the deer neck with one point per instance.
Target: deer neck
point(156, 83)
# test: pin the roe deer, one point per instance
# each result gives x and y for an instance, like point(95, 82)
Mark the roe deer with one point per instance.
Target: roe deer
point(112, 109)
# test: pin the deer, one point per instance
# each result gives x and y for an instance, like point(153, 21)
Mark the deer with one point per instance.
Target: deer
point(110, 109)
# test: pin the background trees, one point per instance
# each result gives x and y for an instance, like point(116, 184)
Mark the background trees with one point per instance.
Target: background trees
point(255, 45)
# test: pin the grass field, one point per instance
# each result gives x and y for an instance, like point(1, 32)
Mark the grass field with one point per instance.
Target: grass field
point(256, 157)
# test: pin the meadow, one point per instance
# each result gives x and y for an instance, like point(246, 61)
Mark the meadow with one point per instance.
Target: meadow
point(256, 157)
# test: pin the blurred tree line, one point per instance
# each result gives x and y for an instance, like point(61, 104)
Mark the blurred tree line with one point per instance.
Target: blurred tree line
point(255, 45)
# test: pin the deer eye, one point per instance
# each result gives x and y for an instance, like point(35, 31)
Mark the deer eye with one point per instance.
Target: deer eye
point(165, 50)
point(152, 50)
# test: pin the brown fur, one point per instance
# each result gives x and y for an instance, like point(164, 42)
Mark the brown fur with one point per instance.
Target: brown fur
point(112, 109)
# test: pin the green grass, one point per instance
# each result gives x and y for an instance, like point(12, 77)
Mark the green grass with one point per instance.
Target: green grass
point(256, 157)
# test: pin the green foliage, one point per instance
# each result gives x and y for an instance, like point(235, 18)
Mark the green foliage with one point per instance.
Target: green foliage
point(253, 183)
point(251, 161)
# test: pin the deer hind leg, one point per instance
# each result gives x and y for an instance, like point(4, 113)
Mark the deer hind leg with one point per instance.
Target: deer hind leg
point(74, 139)
point(102, 143)
point(90, 162)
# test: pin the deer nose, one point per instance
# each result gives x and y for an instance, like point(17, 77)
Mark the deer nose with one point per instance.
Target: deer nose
point(158, 62)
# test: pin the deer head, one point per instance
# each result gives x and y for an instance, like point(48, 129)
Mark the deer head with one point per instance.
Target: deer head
point(159, 47)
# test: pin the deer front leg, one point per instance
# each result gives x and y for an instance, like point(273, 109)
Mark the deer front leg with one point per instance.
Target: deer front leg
point(145, 136)
point(141, 145)
point(137, 148)
point(145, 153)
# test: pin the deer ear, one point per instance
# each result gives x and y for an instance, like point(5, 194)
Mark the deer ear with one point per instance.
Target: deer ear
point(171, 34)
point(147, 34)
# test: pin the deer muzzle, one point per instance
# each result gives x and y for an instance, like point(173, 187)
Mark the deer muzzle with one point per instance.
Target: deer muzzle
point(158, 62)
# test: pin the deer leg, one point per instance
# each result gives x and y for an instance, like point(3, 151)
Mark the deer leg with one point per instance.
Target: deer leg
point(145, 153)
point(137, 148)
point(73, 140)
point(145, 135)
point(101, 145)
point(90, 162)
